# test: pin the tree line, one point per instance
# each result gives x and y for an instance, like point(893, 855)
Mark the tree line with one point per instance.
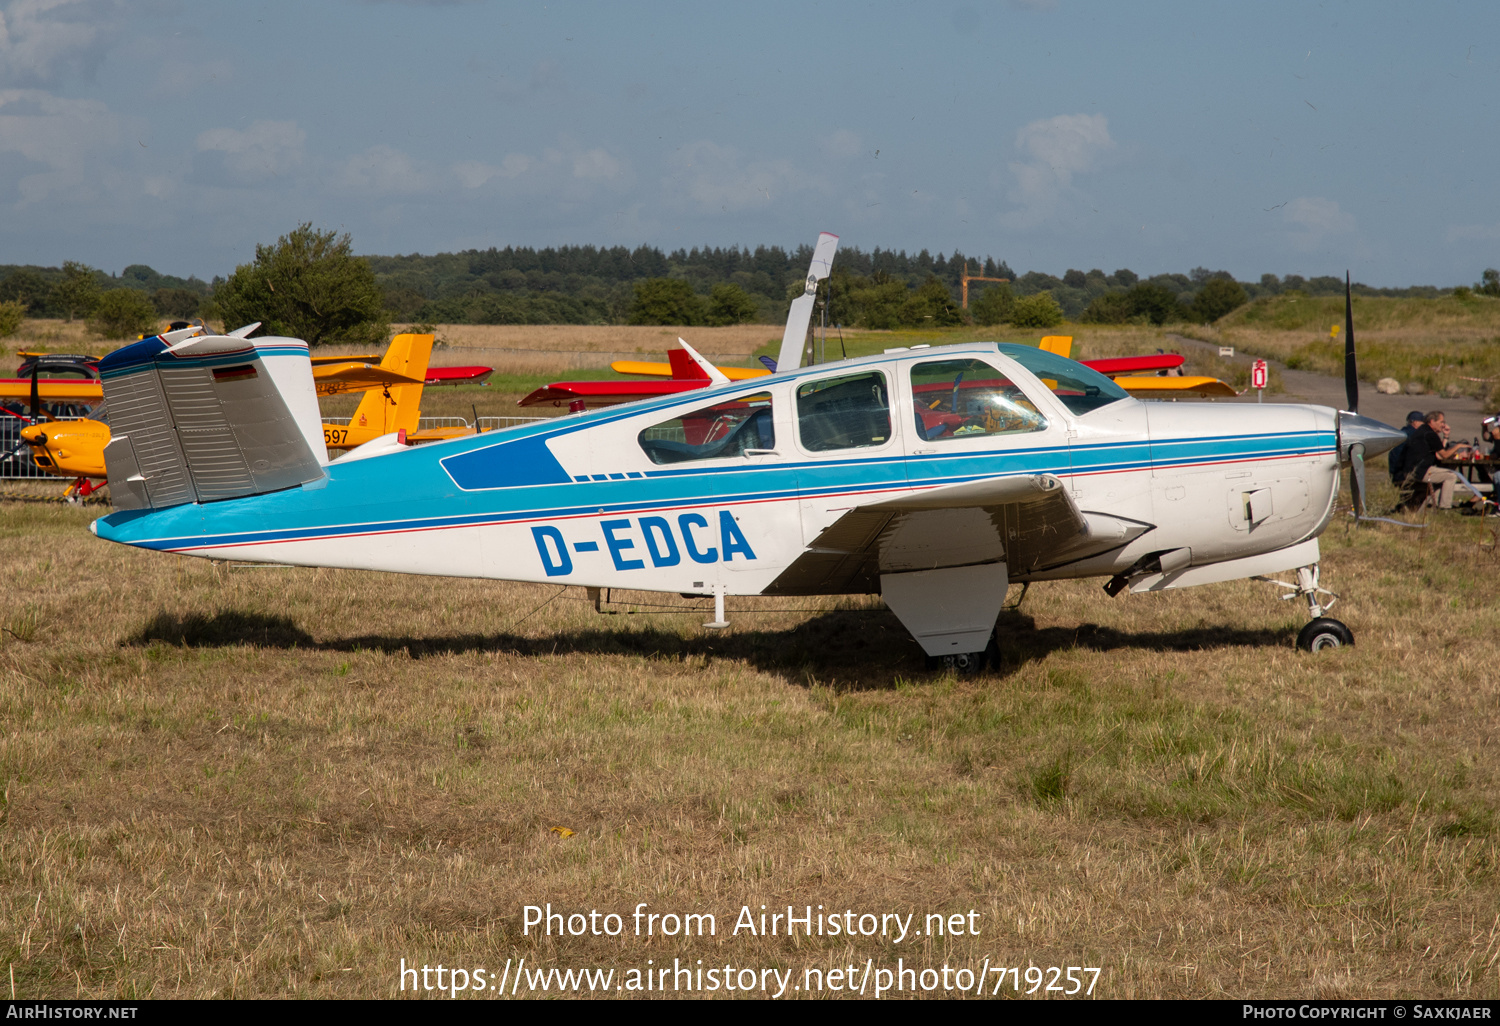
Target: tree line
point(311, 285)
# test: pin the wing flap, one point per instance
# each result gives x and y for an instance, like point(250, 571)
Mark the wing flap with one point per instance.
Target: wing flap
point(1029, 522)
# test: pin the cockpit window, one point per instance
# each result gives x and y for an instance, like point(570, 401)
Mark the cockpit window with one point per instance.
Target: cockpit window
point(1081, 389)
point(726, 429)
point(967, 398)
point(849, 412)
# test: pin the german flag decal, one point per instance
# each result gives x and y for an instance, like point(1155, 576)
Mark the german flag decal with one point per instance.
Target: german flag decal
point(241, 373)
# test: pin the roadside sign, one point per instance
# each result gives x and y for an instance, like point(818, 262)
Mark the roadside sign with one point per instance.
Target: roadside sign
point(1227, 352)
point(1258, 374)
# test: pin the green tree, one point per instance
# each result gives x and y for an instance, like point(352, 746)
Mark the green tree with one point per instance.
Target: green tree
point(77, 292)
point(993, 305)
point(1038, 310)
point(122, 313)
point(1157, 303)
point(877, 301)
point(932, 301)
point(1110, 308)
point(665, 301)
point(12, 313)
point(176, 304)
point(1216, 298)
point(307, 286)
point(25, 287)
point(730, 304)
point(1490, 285)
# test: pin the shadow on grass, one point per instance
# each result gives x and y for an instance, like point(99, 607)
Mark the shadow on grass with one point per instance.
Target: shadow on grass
point(849, 649)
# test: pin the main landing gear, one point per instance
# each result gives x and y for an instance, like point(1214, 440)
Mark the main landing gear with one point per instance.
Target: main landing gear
point(964, 664)
point(1323, 632)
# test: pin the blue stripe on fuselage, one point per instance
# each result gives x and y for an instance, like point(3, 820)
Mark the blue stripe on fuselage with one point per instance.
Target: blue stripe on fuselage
point(409, 491)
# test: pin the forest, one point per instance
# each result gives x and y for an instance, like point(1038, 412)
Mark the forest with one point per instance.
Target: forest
point(879, 288)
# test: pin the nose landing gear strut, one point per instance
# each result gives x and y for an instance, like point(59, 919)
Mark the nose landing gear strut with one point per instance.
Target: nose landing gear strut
point(1323, 632)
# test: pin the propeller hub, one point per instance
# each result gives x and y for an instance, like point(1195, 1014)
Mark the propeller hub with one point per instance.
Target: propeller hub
point(1375, 436)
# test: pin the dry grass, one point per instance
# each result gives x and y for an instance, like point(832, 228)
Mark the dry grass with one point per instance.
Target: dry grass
point(274, 782)
point(1447, 345)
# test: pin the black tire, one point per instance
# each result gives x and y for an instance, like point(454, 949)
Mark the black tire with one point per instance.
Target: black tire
point(965, 664)
point(1324, 633)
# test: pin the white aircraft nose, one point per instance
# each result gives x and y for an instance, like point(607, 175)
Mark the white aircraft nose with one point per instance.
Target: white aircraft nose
point(1375, 436)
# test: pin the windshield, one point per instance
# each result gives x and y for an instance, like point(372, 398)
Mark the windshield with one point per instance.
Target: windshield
point(1081, 389)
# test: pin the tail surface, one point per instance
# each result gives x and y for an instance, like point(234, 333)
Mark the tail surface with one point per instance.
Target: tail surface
point(207, 418)
point(399, 407)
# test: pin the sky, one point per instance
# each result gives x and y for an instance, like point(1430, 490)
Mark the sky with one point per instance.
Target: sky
point(1281, 137)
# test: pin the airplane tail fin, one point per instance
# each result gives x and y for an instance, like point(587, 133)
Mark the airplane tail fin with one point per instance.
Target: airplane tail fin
point(196, 419)
point(1062, 345)
point(399, 407)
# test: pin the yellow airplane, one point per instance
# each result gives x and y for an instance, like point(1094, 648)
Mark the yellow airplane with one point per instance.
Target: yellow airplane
point(393, 390)
point(393, 394)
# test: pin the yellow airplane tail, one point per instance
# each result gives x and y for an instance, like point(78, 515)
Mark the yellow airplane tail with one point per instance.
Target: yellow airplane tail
point(399, 407)
point(1062, 345)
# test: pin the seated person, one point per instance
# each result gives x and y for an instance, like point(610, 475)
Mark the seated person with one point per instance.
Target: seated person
point(1396, 461)
point(1423, 452)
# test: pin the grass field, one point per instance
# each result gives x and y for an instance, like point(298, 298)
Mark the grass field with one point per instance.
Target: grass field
point(282, 782)
point(1447, 344)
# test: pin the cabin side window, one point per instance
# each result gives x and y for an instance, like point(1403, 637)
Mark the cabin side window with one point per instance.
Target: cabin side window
point(969, 398)
point(727, 429)
point(848, 412)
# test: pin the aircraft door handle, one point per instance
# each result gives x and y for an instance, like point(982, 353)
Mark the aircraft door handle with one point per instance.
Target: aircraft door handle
point(922, 452)
point(760, 452)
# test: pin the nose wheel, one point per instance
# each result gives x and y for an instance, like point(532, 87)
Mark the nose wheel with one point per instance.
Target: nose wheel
point(1324, 633)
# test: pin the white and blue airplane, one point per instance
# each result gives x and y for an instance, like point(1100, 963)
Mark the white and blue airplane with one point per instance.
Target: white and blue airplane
point(934, 477)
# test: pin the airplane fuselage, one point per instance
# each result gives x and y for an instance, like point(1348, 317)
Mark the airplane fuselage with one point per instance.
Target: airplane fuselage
point(636, 496)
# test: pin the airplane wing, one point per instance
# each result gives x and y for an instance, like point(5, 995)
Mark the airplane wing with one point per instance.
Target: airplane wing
point(53, 390)
point(1029, 521)
point(664, 370)
point(606, 393)
point(1175, 388)
point(458, 375)
point(1114, 365)
point(318, 361)
point(352, 376)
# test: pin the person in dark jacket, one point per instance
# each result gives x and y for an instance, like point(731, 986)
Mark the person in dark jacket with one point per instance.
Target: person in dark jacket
point(1423, 452)
point(1396, 461)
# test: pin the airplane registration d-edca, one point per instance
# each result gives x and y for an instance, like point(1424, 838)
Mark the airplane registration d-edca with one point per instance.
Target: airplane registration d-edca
point(934, 477)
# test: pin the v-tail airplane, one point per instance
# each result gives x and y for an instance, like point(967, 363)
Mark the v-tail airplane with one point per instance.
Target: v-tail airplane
point(934, 477)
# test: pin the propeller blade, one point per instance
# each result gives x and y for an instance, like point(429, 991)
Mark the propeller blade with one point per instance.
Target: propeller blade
point(1357, 479)
point(36, 395)
point(1351, 372)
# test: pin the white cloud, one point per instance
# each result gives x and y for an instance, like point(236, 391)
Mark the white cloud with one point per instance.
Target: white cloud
point(716, 178)
point(566, 171)
point(383, 170)
point(595, 165)
point(52, 130)
point(42, 40)
point(1478, 232)
point(1054, 150)
point(515, 165)
point(1314, 221)
point(265, 150)
point(841, 145)
point(473, 173)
